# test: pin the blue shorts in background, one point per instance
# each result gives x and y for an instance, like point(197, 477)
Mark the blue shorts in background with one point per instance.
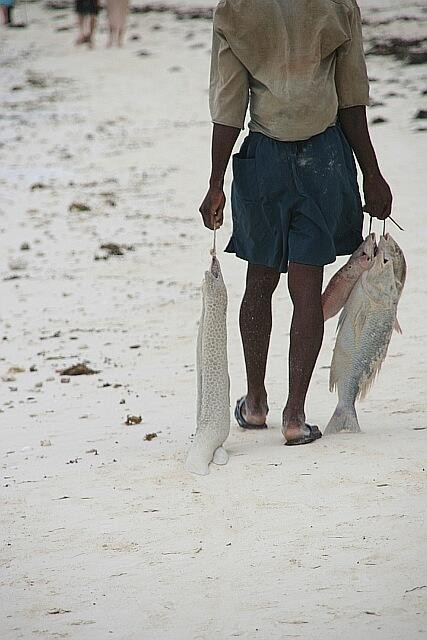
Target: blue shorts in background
point(295, 201)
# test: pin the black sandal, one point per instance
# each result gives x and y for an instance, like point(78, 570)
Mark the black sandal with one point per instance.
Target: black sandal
point(240, 419)
point(306, 438)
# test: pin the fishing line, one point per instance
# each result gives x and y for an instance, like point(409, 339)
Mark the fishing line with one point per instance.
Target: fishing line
point(397, 225)
point(213, 250)
point(384, 222)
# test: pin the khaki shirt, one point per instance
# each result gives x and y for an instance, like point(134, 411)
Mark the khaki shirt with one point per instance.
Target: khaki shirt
point(295, 61)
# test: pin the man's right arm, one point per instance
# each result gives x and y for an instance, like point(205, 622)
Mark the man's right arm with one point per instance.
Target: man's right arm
point(228, 102)
point(212, 207)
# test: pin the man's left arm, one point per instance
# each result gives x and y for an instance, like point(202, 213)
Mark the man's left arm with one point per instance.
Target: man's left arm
point(378, 197)
point(352, 84)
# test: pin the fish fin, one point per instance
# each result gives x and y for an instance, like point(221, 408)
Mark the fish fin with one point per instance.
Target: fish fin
point(343, 419)
point(197, 466)
point(397, 326)
point(341, 318)
point(359, 321)
point(356, 307)
point(220, 456)
point(368, 379)
point(339, 356)
point(341, 361)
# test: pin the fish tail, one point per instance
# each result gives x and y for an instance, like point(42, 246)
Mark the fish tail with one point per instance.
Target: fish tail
point(198, 461)
point(202, 452)
point(397, 326)
point(343, 419)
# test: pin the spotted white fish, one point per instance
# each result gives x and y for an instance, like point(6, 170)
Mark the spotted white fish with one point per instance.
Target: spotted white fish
point(213, 384)
point(364, 330)
point(392, 249)
point(342, 282)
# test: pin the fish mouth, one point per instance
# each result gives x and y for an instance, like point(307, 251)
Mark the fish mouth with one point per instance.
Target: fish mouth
point(386, 246)
point(215, 269)
point(370, 246)
point(381, 257)
point(382, 260)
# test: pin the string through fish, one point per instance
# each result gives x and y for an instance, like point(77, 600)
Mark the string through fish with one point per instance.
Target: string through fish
point(384, 223)
point(396, 223)
point(213, 250)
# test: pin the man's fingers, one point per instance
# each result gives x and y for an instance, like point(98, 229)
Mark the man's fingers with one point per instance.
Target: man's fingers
point(207, 218)
point(378, 209)
point(212, 210)
point(219, 214)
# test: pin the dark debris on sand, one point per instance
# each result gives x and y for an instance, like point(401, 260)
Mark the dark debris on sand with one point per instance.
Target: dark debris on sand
point(133, 420)
point(410, 51)
point(113, 249)
point(80, 369)
point(78, 206)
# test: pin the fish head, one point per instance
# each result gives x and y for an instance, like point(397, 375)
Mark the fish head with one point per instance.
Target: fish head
point(367, 248)
point(398, 259)
point(356, 266)
point(213, 284)
point(379, 281)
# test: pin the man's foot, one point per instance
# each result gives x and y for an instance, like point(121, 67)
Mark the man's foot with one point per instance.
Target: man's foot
point(81, 40)
point(297, 431)
point(253, 419)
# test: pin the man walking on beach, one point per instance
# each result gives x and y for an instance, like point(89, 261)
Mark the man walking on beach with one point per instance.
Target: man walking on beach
point(300, 66)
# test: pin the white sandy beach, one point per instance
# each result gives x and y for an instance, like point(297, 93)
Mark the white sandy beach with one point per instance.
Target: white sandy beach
point(104, 533)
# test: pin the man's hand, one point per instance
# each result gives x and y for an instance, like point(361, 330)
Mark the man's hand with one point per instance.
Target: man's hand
point(378, 196)
point(212, 208)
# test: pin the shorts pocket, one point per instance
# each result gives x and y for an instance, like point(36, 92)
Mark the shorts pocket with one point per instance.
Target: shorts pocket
point(245, 179)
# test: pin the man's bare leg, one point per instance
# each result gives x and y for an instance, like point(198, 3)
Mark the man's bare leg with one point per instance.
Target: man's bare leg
point(92, 27)
point(110, 41)
point(81, 24)
point(305, 288)
point(255, 328)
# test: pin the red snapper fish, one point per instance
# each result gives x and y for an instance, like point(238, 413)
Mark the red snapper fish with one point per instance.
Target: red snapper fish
point(340, 285)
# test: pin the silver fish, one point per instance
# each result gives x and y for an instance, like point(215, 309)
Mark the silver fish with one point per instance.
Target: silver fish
point(340, 285)
point(364, 331)
point(213, 384)
point(392, 249)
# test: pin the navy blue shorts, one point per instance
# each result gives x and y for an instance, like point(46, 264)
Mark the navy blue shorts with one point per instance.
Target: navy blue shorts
point(86, 7)
point(295, 201)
